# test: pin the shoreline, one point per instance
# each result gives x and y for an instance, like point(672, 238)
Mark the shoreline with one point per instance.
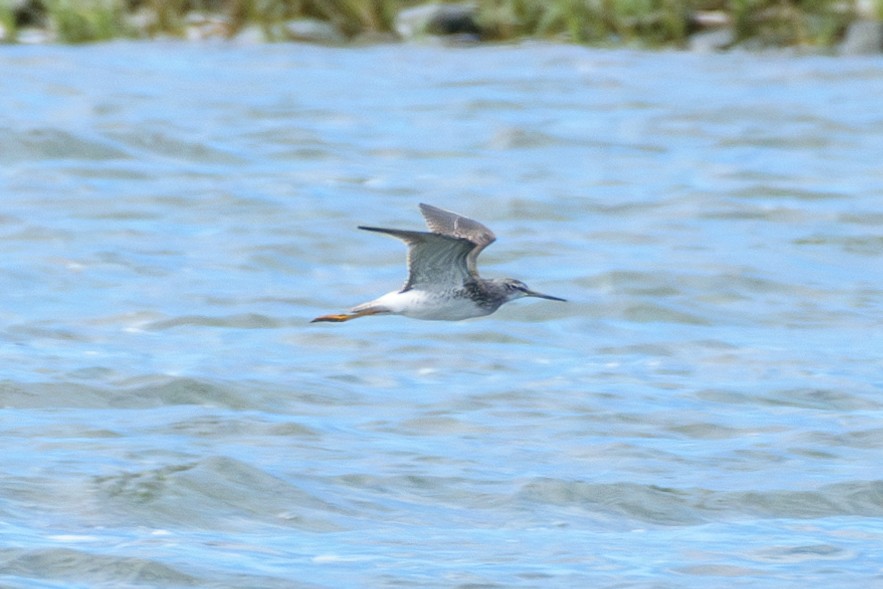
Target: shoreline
point(844, 27)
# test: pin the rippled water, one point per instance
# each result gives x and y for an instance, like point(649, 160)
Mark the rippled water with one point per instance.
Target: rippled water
point(706, 410)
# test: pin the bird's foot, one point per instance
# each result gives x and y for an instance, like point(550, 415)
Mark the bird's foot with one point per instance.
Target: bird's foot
point(340, 317)
point(335, 318)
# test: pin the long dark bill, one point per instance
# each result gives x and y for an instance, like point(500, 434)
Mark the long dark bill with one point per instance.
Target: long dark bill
point(539, 295)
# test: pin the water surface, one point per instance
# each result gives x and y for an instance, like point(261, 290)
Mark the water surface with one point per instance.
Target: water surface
point(705, 411)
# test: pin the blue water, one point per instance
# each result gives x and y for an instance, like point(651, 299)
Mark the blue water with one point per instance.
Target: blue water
point(705, 411)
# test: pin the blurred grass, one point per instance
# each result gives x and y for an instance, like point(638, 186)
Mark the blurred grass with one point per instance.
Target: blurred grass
point(652, 22)
point(791, 22)
point(77, 21)
point(351, 17)
point(599, 22)
point(8, 23)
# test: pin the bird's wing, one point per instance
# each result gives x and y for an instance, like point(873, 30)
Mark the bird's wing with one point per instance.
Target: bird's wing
point(435, 262)
point(452, 225)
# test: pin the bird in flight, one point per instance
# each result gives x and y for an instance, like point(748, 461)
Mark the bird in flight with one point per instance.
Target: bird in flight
point(443, 282)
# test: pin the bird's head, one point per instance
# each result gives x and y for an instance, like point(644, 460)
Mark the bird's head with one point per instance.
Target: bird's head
point(515, 289)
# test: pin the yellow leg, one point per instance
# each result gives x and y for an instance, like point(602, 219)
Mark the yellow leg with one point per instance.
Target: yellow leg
point(340, 317)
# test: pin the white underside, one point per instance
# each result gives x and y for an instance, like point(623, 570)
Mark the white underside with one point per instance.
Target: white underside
point(419, 304)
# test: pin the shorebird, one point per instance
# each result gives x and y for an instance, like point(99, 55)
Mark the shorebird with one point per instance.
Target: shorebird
point(443, 282)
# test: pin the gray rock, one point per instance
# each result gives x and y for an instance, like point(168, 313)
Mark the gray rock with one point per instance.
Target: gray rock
point(866, 9)
point(374, 38)
point(250, 35)
point(712, 40)
point(141, 22)
point(863, 37)
point(199, 26)
point(438, 19)
point(711, 19)
point(311, 30)
point(35, 36)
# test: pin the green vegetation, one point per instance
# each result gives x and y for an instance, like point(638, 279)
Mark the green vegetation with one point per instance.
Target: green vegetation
point(597, 22)
point(791, 22)
point(351, 17)
point(667, 22)
point(651, 22)
point(77, 21)
point(7, 23)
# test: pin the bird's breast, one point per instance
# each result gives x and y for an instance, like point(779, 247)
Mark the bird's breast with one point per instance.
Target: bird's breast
point(434, 306)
